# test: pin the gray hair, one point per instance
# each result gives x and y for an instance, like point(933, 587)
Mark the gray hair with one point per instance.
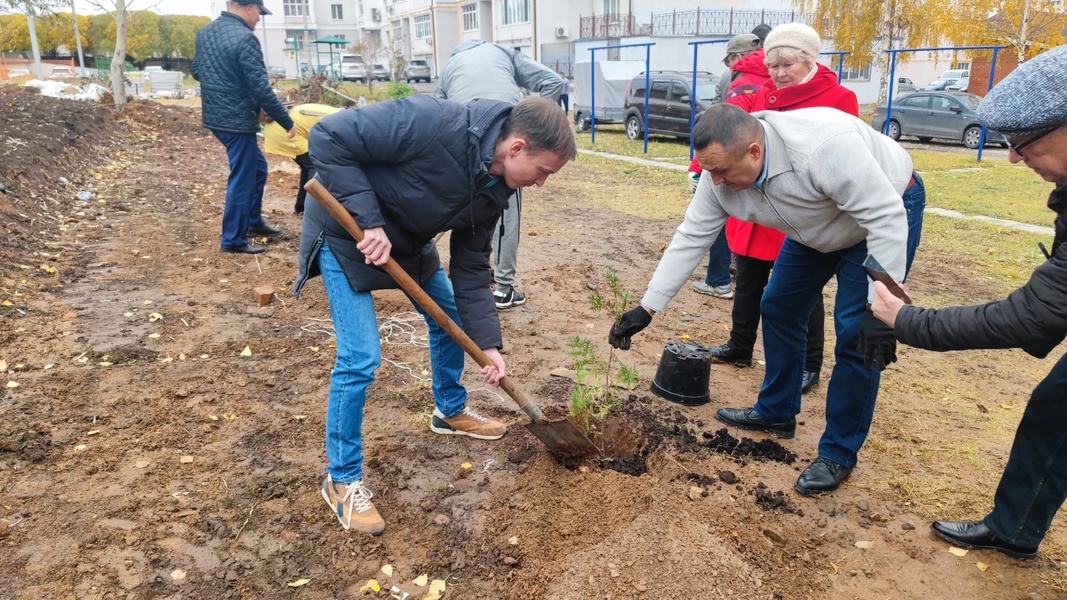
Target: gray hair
point(786, 54)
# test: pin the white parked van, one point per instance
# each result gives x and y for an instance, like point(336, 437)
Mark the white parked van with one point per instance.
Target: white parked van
point(961, 77)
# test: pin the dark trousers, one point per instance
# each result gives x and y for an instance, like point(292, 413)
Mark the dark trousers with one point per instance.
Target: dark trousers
point(565, 102)
point(244, 189)
point(307, 171)
point(1034, 484)
point(752, 277)
point(719, 262)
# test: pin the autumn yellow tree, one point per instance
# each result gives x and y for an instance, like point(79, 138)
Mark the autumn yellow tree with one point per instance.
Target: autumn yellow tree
point(867, 28)
point(1027, 27)
point(14, 33)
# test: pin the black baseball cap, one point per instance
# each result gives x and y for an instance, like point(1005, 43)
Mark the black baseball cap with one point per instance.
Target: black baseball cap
point(262, 9)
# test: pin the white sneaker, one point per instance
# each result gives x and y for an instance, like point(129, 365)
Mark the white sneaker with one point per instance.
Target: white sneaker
point(719, 291)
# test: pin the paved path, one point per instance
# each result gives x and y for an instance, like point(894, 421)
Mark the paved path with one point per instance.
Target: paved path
point(1040, 229)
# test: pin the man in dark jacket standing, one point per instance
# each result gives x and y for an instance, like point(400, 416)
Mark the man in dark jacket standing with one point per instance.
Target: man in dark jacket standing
point(235, 88)
point(406, 171)
point(1034, 318)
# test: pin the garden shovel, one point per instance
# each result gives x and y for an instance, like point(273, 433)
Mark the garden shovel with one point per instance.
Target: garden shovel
point(562, 437)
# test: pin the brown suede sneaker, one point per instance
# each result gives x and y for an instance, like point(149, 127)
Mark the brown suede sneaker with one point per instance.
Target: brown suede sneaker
point(467, 423)
point(351, 504)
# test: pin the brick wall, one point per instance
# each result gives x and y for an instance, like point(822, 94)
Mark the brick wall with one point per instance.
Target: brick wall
point(1007, 61)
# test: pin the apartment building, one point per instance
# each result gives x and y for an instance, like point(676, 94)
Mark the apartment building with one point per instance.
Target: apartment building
point(288, 35)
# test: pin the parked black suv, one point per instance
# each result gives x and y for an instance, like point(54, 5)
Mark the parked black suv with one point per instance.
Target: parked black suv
point(669, 102)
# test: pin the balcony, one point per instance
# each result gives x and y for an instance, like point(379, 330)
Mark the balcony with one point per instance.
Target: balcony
point(721, 22)
point(608, 26)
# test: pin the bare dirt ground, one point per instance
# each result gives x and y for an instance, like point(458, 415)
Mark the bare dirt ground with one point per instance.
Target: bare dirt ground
point(161, 435)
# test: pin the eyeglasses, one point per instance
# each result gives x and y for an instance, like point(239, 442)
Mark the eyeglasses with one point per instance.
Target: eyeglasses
point(1018, 148)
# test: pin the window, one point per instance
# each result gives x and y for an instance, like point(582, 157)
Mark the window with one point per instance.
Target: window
point(470, 16)
point(300, 39)
point(942, 103)
point(515, 11)
point(659, 90)
point(359, 7)
point(422, 26)
point(295, 8)
point(397, 31)
point(851, 74)
point(611, 7)
point(916, 101)
point(337, 12)
point(677, 91)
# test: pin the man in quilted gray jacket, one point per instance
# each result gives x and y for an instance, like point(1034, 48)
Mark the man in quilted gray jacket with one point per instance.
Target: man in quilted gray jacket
point(235, 89)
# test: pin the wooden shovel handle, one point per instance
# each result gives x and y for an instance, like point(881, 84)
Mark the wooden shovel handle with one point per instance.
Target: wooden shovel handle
point(342, 216)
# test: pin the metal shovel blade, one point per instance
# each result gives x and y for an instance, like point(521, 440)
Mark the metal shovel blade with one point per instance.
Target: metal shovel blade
point(562, 438)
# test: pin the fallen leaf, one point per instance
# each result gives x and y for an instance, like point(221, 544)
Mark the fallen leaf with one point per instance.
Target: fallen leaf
point(247, 351)
point(48, 269)
point(388, 570)
point(8, 303)
point(3, 365)
point(299, 582)
point(181, 356)
point(154, 336)
point(467, 466)
point(957, 551)
point(213, 417)
point(420, 580)
point(513, 540)
point(80, 448)
point(177, 574)
point(864, 544)
point(154, 317)
point(127, 314)
point(372, 585)
point(185, 459)
point(300, 417)
point(147, 301)
point(228, 417)
point(437, 586)
point(685, 338)
point(94, 432)
point(205, 356)
point(12, 385)
point(1005, 407)
point(313, 348)
point(981, 566)
point(142, 464)
point(105, 364)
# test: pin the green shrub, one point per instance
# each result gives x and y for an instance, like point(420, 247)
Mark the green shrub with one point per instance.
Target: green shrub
point(399, 89)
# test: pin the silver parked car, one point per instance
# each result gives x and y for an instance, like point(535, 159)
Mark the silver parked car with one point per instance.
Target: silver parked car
point(928, 115)
point(380, 73)
point(417, 70)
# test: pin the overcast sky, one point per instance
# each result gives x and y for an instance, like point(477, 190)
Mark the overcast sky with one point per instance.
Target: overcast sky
point(164, 7)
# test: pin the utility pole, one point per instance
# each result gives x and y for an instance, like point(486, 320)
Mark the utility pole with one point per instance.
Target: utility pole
point(78, 39)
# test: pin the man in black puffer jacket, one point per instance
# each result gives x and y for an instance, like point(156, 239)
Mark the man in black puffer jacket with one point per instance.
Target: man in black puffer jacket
point(1033, 317)
point(407, 170)
point(234, 87)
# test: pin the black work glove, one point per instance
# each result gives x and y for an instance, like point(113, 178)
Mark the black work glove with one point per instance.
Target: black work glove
point(633, 321)
point(878, 343)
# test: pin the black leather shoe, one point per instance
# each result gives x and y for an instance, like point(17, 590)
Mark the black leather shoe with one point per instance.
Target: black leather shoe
point(977, 535)
point(728, 355)
point(748, 418)
point(246, 249)
point(264, 230)
point(821, 476)
point(810, 380)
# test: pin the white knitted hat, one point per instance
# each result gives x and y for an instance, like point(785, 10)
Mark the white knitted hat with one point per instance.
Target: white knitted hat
point(796, 36)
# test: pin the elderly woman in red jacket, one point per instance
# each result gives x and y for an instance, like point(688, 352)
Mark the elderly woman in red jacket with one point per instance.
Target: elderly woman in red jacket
point(782, 76)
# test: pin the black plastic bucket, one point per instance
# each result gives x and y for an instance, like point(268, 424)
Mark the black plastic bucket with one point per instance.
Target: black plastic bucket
point(684, 374)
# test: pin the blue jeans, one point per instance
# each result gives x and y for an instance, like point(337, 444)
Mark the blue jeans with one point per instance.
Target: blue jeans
point(719, 262)
point(796, 285)
point(359, 354)
point(244, 189)
point(1034, 483)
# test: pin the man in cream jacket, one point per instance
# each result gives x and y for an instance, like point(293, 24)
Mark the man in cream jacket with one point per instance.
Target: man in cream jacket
point(839, 191)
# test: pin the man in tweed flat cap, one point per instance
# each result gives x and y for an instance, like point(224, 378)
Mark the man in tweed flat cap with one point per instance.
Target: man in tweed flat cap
point(1033, 118)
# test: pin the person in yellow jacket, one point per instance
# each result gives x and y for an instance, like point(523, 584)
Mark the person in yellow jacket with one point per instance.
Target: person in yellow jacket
point(277, 141)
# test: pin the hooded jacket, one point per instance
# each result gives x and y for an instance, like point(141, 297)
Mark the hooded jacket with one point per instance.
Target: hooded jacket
point(749, 75)
point(415, 167)
point(233, 78)
point(480, 69)
point(754, 91)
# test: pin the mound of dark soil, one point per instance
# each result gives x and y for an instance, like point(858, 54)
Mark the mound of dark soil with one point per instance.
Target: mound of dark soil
point(721, 441)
